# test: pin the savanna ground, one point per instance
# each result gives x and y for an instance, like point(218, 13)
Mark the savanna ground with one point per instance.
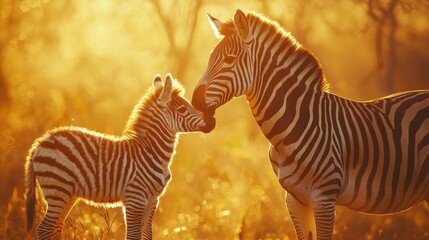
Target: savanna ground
point(86, 63)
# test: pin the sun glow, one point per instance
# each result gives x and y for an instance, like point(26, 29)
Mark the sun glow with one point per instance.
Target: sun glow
point(86, 64)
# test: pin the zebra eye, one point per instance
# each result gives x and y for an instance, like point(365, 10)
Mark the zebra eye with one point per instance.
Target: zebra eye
point(181, 109)
point(229, 59)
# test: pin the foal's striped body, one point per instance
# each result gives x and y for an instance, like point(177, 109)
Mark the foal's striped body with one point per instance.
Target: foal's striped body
point(133, 169)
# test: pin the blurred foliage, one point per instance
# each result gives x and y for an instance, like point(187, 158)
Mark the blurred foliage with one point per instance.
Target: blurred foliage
point(86, 63)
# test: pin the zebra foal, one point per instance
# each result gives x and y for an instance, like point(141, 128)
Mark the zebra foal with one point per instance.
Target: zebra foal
point(72, 163)
point(326, 150)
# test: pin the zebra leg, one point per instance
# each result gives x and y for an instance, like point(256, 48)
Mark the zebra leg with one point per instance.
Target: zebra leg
point(53, 221)
point(134, 210)
point(147, 218)
point(324, 215)
point(302, 218)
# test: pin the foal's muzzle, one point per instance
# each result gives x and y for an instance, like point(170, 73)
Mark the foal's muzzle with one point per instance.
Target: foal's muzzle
point(210, 123)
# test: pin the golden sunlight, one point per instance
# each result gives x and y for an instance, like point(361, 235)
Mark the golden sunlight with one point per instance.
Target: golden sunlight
point(86, 63)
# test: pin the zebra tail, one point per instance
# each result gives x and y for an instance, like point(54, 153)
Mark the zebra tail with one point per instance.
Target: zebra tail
point(30, 190)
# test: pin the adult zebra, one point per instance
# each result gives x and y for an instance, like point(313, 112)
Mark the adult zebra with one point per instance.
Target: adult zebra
point(132, 169)
point(326, 150)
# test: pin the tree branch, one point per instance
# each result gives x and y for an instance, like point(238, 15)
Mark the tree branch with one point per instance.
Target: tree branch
point(184, 54)
point(167, 25)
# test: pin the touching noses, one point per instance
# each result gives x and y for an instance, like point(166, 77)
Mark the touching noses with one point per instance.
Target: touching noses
point(210, 123)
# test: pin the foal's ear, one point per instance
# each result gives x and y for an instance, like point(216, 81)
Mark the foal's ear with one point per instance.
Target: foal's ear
point(216, 25)
point(242, 26)
point(168, 85)
point(165, 96)
point(157, 82)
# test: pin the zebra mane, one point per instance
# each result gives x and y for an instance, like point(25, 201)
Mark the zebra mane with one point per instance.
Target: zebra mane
point(261, 24)
point(255, 19)
point(148, 103)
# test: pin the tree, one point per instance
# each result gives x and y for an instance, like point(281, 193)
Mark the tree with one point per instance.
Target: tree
point(8, 24)
point(385, 20)
point(385, 17)
point(179, 20)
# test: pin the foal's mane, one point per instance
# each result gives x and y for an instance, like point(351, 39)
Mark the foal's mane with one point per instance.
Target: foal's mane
point(148, 102)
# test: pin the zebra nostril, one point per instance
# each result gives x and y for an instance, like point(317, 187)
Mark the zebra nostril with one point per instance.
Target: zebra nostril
point(198, 97)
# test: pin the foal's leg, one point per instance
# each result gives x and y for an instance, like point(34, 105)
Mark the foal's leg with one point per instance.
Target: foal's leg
point(135, 205)
point(147, 218)
point(53, 221)
point(134, 216)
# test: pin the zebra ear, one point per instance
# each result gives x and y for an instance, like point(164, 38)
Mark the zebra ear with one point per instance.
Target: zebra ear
point(216, 25)
point(165, 96)
point(157, 82)
point(242, 26)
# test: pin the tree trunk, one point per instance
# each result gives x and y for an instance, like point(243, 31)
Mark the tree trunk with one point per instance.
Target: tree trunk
point(390, 56)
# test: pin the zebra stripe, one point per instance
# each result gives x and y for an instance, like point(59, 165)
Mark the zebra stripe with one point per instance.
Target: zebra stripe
point(326, 150)
point(132, 169)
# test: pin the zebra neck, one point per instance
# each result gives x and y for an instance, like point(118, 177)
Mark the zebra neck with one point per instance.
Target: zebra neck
point(153, 150)
point(157, 140)
point(284, 100)
point(146, 121)
point(148, 124)
point(161, 149)
point(287, 81)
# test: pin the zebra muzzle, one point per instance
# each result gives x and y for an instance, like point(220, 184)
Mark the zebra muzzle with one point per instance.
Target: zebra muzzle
point(199, 97)
point(210, 124)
